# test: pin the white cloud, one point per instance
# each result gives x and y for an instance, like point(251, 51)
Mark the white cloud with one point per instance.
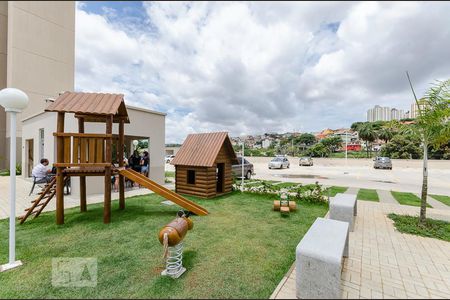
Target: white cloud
point(253, 67)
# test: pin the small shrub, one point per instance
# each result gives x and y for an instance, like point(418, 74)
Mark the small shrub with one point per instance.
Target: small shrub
point(312, 193)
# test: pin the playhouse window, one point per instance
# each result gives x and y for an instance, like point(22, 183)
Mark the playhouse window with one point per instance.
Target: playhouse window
point(191, 176)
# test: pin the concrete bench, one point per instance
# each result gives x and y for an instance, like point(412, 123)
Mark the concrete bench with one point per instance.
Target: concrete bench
point(319, 259)
point(343, 207)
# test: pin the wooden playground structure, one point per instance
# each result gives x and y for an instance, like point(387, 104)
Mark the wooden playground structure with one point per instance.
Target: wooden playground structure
point(90, 154)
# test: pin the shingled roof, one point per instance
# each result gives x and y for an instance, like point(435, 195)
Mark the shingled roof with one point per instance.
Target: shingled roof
point(201, 149)
point(91, 105)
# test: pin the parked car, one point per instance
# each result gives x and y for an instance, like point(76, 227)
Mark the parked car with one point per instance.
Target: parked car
point(248, 169)
point(279, 163)
point(382, 163)
point(169, 158)
point(305, 161)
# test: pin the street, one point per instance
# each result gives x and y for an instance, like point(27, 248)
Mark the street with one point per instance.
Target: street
point(405, 176)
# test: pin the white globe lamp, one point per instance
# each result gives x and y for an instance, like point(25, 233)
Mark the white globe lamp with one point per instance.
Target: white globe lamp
point(14, 101)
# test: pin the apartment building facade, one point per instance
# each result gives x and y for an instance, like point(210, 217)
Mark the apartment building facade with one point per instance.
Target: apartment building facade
point(379, 113)
point(37, 55)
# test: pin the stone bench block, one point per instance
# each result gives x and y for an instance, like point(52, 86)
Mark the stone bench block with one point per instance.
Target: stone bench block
point(319, 260)
point(343, 208)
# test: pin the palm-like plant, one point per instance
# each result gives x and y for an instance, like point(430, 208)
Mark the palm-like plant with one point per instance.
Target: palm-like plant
point(368, 133)
point(432, 127)
point(389, 130)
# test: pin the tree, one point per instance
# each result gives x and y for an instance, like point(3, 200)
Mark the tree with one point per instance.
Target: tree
point(318, 150)
point(355, 126)
point(368, 134)
point(307, 139)
point(385, 134)
point(332, 143)
point(402, 146)
point(432, 128)
point(389, 130)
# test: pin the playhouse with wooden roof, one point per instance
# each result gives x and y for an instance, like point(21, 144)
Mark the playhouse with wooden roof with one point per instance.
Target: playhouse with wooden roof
point(203, 165)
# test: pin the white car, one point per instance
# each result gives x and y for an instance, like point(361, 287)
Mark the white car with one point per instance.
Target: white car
point(279, 163)
point(169, 158)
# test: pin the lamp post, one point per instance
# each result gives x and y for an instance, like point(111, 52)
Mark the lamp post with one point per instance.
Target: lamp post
point(242, 167)
point(14, 101)
point(346, 141)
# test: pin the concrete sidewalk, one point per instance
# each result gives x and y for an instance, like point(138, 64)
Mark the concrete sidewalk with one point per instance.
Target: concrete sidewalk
point(386, 197)
point(384, 263)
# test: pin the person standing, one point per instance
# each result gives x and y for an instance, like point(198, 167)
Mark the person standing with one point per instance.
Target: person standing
point(134, 161)
point(145, 161)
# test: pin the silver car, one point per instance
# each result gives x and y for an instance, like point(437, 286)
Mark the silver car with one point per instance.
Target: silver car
point(305, 161)
point(382, 163)
point(248, 169)
point(279, 163)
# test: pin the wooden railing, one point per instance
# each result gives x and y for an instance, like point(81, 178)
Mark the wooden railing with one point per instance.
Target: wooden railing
point(84, 149)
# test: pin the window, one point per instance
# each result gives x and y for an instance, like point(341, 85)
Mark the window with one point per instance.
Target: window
point(41, 143)
point(191, 176)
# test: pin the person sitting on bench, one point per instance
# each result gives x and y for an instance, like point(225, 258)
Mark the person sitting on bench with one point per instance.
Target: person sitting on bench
point(41, 173)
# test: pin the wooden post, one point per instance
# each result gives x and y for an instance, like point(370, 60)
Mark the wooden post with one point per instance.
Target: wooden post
point(83, 206)
point(59, 171)
point(120, 155)
point(108, 157)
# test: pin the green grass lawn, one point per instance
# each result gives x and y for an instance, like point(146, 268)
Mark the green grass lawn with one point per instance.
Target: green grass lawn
point(336, 190)
point(407, 198)
point(242, 249)
point(442, 198)
point(367, 194)
point(285, 185)
point(352, 154)
point(432, 228)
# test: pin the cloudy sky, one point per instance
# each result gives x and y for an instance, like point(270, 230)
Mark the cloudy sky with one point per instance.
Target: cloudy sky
point(250, 68)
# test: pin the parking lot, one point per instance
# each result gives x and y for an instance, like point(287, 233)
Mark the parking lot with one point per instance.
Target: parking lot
point(405, 176)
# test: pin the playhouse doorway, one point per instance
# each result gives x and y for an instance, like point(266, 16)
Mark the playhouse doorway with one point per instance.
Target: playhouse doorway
point(220, 176)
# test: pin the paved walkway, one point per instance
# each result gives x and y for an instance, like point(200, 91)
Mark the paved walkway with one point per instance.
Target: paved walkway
point(386, 197)
point(384, 263)
point(23, 187)
point(352, 190)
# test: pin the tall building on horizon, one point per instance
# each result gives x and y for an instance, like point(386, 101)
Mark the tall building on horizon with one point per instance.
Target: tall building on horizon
point(414, 113)
point(379, 113)
point(37, 55)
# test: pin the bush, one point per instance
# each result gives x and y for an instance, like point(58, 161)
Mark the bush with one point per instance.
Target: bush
point(402, 147)
point(311, 193)
point(318, 150)
point(6, 172)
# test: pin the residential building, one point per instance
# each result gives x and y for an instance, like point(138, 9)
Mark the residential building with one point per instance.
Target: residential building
point(378, 113)
point(414, 113)
point(266, 143)
point(37, 55)
point(172, 150)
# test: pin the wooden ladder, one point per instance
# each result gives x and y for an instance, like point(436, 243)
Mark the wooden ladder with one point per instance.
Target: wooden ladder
point(38, 205)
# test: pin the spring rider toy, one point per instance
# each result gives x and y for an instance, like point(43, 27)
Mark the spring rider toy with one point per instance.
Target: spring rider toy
point(171, 237)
